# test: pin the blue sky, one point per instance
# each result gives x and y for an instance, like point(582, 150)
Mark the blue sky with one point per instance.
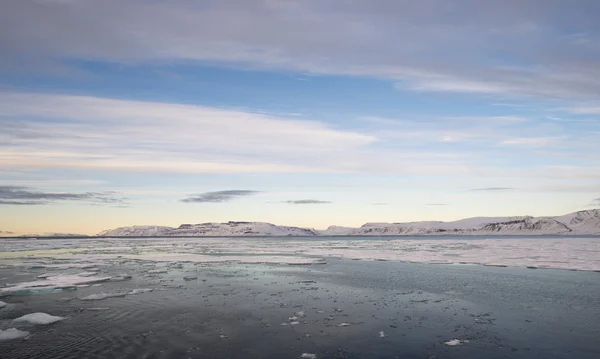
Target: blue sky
point(300, 113)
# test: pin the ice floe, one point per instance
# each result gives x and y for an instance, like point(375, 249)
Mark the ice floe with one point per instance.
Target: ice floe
point(12, 333)
point(51, 284)
point(39, 318)
point(2, 304)
point(455, 342)
point(308, 356)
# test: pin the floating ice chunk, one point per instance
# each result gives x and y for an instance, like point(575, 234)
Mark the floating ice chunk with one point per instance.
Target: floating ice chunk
point(308, 356)
point(293, 318)
point(51, 284)
point(86, 274)
point(140, 291)
point(294, 323)
point(343, 325)
point(12, 333)
point(222, 336)
point(39, 318)
point(190, 278)
point(46, 275)
point(97, 308)
point(101, 296)
point(455, 342)
point(300, 314)
point(82, 285)
point(382, 334)
point(120, 278)
point(2, 304)
point(157, 271)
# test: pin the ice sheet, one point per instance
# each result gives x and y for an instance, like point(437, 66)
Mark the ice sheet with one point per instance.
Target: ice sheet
point(550, 252)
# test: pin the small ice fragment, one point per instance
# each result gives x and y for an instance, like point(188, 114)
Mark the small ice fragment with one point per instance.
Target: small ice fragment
point(82, 286)
point(86, 274)
point(156, 271)
point(120, 278)
point(300, 314)
point(455, 342)
point(97, 308)
point(139, 291)
point(294, 323)
point(382, 334)
point(101, 296)
point(2, 304)
point(190, 278)
point(284, 324)
point(46, 275)
point(293, 318)
point(338, 310)
point(12, 333)
point(343, 325)
point(223, 336)
point(39, 318)
point(308, 356)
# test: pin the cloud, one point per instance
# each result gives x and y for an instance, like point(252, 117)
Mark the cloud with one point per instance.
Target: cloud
point(437, 204)
point(307, 201)
point(492, 189)
point(531, 141)
point(379, 204)
point(20, 195)
point(218, 196)
point(109, 134)
point(453, 46)
point(6, 232)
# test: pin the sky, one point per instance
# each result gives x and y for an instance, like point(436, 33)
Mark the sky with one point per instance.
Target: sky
point(296, 112)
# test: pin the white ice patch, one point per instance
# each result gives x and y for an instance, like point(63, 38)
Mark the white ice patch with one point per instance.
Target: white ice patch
point(39, 318)
point(157, 271)
point(308, 356)
point(2, 304)
point(101, 296)
point(12, 333)
point(343, 325)
point(50, 285)
point(455, 342)
point(382, 334)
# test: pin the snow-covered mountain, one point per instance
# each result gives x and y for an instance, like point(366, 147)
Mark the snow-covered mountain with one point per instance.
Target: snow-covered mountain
point(578, 223)
point(210, 229)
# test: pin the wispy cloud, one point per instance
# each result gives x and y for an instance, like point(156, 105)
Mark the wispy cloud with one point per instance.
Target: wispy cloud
point(19, 195)
point(306, 201)
point(492, 189)
point(218, 196)
point(363, 39)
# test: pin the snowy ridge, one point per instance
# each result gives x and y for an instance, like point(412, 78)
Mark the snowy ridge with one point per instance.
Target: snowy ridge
point(210, 229)
point(578, 223)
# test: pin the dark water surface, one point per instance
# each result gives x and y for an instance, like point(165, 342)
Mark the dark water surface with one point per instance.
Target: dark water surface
point(236, 311)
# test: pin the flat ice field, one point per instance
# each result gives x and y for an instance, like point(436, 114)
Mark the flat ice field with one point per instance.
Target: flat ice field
point(295, 297)
point(573, 253)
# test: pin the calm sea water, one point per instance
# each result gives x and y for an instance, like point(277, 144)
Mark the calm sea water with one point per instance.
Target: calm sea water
point(237, 311)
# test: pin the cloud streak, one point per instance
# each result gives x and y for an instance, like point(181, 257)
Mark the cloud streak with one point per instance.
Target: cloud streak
point(19, 195)
point(306, 201)
point(218, 196)
point(544, 52)
point(491, 189)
